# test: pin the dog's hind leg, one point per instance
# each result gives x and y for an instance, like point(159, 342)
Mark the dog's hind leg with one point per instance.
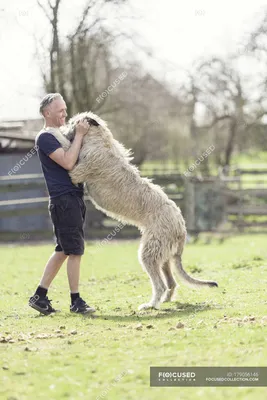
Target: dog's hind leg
point(171, 283)
point(150, 259)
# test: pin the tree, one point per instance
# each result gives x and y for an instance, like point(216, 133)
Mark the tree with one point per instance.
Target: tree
point(84, 67)
point(255, 46)
point(73, 60)
point(216, 104)
point(145, 116)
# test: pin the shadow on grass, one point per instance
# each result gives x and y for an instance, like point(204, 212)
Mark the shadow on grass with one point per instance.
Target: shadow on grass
point(180, 309)
point(176, 310)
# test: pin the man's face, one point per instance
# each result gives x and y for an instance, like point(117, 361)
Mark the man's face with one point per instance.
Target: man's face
point(56, 112)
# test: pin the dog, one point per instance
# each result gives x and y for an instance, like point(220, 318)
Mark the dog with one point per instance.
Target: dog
point(116, 188)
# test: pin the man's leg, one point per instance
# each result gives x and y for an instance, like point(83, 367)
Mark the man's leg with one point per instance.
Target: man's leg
point(52, 267)
point(78, 305)
point(39, 300)
point(73, 270)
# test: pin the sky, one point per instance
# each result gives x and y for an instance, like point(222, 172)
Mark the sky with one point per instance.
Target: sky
point(177, 32)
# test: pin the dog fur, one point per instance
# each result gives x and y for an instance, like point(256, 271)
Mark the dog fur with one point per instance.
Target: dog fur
point(115, 187)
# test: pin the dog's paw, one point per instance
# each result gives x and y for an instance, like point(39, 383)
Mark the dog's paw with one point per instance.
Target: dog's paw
point(75, 181)
point(148, 306)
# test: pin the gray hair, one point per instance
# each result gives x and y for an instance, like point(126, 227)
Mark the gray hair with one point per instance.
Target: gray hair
point(48, 99)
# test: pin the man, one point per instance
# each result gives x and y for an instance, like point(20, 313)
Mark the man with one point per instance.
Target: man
point(66, 205)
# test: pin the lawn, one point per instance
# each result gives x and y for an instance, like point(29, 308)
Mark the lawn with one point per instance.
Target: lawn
point(68, 356)
point(250, 160)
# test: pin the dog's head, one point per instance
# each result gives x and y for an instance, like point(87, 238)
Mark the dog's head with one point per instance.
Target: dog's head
point(93, 120)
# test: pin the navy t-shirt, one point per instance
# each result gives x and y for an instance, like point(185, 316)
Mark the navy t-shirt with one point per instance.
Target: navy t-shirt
point(57, 178)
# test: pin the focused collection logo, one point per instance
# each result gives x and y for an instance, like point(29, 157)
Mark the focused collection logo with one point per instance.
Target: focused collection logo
point(176, 376)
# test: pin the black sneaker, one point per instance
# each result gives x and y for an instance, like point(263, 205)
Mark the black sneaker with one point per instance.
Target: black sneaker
point(80, 307)
point(41, 304)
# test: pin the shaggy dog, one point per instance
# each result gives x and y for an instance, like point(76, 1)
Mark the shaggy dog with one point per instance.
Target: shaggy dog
point(115, 187)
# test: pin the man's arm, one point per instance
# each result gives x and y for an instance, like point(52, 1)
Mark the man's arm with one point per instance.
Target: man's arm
point(67, 159)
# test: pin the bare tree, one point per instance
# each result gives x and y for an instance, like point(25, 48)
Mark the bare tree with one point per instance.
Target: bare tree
point(215, 90)
point(255, 46)
point(146, 115)
point(73, 60)
point(83, 65)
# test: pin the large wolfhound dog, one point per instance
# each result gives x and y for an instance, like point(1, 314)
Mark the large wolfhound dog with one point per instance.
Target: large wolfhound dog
point(116, 188)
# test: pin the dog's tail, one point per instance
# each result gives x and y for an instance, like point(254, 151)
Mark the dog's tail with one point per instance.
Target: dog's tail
point(187, 279)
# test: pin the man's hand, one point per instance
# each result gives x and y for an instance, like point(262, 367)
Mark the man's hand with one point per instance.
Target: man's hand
point(82, 128)
point(68, 159)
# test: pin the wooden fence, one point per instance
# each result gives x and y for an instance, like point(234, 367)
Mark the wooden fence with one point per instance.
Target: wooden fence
point(246, 192)
point(236, 202)
point(24, 209)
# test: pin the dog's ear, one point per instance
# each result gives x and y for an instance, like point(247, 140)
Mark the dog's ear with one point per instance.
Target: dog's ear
point(91, 121)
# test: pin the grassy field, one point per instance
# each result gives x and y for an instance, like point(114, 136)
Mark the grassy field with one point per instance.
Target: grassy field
point(250, 160)
point(68, 356)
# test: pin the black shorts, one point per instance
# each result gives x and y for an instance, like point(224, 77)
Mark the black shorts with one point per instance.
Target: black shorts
point(68, 215)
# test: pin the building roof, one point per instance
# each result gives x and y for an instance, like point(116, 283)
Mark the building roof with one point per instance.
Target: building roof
point(16, 136)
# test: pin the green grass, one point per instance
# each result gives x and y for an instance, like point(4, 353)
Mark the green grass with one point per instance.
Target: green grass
point(74, 357)
point(252, 159)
